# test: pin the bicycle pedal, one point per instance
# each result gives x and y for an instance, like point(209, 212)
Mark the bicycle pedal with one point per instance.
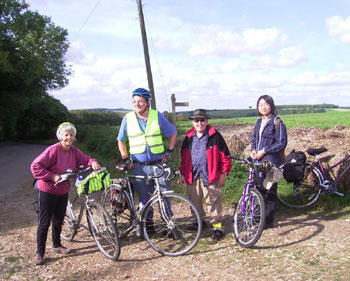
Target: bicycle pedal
point(339, 193)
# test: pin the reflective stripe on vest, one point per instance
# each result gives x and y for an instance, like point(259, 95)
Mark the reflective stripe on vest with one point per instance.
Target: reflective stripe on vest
point(152, 136)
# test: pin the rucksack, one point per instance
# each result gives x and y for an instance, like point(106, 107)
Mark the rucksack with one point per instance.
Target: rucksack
point(293, 169)
point(282, 152)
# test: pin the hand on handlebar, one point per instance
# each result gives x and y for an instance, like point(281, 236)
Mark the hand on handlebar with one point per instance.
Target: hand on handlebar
point(95, 166)
point(167, 155)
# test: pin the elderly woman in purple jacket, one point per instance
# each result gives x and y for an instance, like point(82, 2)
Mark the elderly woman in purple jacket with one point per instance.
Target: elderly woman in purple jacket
point(52, 199)
point(268, 141)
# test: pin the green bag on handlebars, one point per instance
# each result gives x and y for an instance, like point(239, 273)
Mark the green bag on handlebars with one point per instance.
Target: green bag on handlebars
point(94, 182)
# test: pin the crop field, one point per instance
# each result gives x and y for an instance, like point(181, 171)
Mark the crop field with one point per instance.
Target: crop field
point(326, 120)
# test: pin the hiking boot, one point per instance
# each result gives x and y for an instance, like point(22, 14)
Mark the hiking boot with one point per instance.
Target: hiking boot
point(171, 234)
point(194, 226)
point(217, 234)
point(268, 225)
point(39, 259)
point(150, 227)
point(62, 250)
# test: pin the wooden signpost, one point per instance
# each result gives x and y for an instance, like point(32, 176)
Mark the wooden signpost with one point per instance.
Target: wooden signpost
point(174, 104)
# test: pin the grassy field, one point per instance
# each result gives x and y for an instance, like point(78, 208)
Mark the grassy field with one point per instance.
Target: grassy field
point(238, 176)
point(331, 118)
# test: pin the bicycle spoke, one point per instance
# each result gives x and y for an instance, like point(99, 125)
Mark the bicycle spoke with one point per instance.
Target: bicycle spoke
point(168, 230)
point(302, 194)
point(103, 230)
point(249, 218)
point(117, 204)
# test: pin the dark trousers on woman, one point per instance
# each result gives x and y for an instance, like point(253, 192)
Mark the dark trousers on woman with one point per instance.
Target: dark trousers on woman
point(51, 208)
point(271, 204)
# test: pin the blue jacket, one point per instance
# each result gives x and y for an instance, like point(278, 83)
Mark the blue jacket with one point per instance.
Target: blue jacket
point(273, 140)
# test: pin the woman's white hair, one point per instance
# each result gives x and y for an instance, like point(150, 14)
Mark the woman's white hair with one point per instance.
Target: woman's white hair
point(66, 126)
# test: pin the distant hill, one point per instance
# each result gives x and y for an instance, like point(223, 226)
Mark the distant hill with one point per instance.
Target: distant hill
point(101, 109)
point(237, 113)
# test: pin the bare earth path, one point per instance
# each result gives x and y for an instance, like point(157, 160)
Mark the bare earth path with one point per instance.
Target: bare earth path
point(309, 246)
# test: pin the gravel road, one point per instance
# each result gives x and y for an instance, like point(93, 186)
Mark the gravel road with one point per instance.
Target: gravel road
point(304, 245)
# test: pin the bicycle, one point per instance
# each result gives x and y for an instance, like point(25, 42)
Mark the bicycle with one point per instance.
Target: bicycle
point(315, 182)
point(249, 210)
point(100, 224)
point(166, 229)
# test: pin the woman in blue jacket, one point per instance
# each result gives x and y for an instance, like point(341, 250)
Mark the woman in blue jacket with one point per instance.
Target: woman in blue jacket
point(268, 142)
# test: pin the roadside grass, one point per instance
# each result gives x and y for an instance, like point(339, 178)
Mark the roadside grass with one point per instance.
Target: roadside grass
point(95, 144)
point(12, 266)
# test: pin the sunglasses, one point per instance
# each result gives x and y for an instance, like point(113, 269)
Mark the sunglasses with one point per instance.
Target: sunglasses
point(199, 120)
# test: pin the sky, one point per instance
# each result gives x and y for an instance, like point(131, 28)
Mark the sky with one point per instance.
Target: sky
point(221, 54)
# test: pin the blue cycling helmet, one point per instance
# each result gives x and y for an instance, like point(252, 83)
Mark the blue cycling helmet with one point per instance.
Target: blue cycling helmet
point(142, 92)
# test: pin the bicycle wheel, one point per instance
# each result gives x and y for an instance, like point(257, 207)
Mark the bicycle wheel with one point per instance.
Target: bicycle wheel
point(302, 194)
point(167, 229)
point(249, 218)
point(118, 204)
point(69, 225)
point(103, 230)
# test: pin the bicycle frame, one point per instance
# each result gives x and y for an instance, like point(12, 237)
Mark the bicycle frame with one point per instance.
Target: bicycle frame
point(83, 205)
point(319, 168)
point(247, 186)
point(157, 193)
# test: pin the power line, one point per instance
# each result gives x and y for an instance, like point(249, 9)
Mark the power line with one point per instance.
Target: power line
point(155, 54)
point(86, 20)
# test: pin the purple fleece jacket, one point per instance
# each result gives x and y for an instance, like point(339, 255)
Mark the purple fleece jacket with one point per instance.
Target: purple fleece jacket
point(55, 160)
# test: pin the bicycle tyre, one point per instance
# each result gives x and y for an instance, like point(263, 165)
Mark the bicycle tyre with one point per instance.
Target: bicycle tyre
point(249, 221)
point(103, 230)
point(303, 194)
point(118, 204)
point(171, 235)
point(69, 225)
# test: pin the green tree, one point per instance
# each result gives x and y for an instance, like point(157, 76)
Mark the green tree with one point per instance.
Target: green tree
point(32, 62)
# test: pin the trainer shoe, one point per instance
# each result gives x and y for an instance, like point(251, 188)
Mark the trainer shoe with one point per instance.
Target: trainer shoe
point(62, 250)
point(39, 259)
point(218, 234)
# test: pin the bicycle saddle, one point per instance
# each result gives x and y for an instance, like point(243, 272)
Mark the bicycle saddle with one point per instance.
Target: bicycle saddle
point(316, 151)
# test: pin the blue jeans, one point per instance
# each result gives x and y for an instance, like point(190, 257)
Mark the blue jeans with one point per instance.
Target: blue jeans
point(144, 190)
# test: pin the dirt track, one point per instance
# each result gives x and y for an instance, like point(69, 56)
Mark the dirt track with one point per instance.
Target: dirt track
point(302, 247)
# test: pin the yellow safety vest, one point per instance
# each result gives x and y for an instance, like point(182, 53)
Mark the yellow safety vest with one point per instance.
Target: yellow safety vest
point(152, 137)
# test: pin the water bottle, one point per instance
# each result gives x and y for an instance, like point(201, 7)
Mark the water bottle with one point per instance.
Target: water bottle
point(79, 180)
point(140, 207)
point(138, 211)
point(261, 177)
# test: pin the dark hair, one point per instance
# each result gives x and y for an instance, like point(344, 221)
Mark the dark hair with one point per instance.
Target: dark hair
point(269, 100)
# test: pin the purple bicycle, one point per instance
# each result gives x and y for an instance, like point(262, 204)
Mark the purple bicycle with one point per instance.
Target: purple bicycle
point(249, 210)
point(315, 182)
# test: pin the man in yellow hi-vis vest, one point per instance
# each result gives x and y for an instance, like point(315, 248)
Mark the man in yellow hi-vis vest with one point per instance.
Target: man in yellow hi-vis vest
point(143, 128)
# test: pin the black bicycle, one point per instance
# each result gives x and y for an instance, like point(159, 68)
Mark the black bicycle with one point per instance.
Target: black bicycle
point(167, 228)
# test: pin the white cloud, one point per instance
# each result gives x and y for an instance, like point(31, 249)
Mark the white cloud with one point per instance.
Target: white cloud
point(326, 79)
point(287, 58)
point(76, 54)
point(213, 41)
point(339, 27)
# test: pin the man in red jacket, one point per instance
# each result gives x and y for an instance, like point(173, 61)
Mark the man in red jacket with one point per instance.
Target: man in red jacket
point(205, 164)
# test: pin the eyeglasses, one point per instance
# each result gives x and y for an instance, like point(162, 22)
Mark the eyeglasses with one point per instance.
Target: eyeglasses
point(199, 120)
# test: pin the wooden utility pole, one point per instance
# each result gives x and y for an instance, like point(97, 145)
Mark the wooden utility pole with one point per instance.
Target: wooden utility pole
point(145, 51)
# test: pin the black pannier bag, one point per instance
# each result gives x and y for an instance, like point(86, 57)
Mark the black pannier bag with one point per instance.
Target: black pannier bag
point(293, 169)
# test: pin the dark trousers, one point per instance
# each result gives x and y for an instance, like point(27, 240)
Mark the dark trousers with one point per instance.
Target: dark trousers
point(271, 203)
point(51, 208)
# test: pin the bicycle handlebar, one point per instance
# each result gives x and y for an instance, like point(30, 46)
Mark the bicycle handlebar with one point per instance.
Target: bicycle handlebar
point(163, 167)
point(69, 172)
point(265, 164)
